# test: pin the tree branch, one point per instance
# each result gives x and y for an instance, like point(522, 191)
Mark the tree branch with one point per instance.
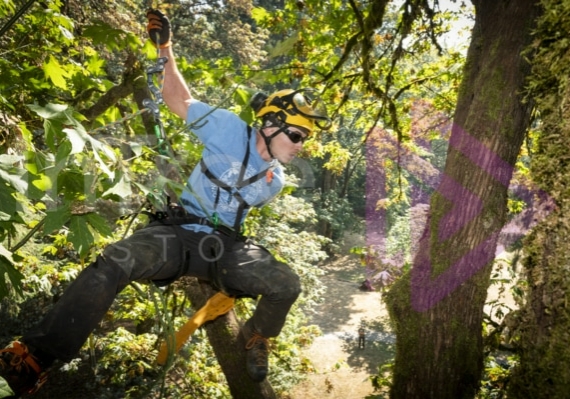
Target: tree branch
point(116, 93)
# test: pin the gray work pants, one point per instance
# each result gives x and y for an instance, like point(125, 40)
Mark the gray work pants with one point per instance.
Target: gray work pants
point(163, 253)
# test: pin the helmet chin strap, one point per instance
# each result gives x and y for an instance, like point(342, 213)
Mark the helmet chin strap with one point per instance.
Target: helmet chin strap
point(267, 139)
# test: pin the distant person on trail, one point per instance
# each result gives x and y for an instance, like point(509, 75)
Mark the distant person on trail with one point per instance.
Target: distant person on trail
point(240, 168)
point(361, 338)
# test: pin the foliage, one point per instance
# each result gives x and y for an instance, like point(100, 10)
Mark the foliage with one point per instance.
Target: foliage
point(383, 380)
point(496, 377)
point(349, 53)
point(5, 390)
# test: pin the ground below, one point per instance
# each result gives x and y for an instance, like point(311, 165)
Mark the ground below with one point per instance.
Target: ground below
point(342, 369)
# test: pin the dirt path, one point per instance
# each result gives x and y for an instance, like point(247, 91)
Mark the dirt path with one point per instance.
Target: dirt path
point(342, 370)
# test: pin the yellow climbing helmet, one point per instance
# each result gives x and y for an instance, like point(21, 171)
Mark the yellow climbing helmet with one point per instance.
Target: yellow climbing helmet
point(293, 107)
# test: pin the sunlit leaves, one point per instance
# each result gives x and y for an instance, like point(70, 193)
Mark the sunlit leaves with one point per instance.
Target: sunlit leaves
point(56, 73)
point(122, 188)
point(338, 159)
point(60, 119)
point(7, 8)
point(113, 38)
point(94, 63)
point(261, 15)
point(285, 46)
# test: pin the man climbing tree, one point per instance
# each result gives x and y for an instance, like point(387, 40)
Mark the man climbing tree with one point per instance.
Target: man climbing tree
point(240, 168)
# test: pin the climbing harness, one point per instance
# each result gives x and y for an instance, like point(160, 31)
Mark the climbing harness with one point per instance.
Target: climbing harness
point(233, 189)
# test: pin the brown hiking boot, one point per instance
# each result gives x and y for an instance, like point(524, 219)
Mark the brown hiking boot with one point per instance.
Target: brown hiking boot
point(257, 352)
point(21, 369)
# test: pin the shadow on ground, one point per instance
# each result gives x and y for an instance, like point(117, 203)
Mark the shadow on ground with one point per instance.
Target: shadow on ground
point(343, 370)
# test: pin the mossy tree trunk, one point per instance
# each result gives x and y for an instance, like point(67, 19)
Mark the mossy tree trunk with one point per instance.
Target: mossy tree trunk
point(544, 322)
point(437, 308)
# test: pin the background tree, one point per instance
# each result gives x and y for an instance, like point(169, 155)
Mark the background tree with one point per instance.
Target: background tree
point(540, 331)
point(437, 307)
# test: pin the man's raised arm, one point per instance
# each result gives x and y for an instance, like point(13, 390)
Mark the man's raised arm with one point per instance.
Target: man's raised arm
point(175, 91)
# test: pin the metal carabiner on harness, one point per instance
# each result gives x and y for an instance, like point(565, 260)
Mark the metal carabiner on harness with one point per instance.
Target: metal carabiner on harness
point(157, 68)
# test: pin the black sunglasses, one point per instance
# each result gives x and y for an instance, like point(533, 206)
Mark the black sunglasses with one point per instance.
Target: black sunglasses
point(294, 136)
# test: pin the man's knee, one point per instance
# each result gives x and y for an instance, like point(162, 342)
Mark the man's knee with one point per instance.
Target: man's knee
point(290, 287)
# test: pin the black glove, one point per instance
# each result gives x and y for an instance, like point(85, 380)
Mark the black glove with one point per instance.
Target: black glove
point(158, 28)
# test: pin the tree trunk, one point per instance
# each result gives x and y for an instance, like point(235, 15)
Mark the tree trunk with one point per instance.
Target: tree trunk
point(229, 347)
point(543, 333)
point(437, 308)
point(328, 185)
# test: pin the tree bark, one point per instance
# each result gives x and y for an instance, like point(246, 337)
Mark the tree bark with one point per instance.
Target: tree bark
point(437, 308)
point(328, 185)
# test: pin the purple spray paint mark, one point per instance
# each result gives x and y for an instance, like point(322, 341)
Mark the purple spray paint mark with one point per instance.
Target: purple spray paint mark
point(427, 291)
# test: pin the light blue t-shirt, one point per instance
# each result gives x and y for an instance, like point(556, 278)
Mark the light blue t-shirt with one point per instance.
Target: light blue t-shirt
point(225, 138)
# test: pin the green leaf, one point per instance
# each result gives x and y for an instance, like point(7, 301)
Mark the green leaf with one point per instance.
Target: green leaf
point(95, 65)
point(80, 235)
point(144, 189)
point(57, 218)
point(52, 131)
point(103, 33)
point(43, 182)
point(63, 152)
point(137, 148)
point(259, 14)
point(7, 161)
point(50, 111)
point(78, 138)
point(33, 192)
point(66, 33)
point(5, 390)
point(99, 224)
point(122, 188)
point(72, 183)
point(284, 46)
point(7, 268)
point(8, 202)
point(56, 73)
point(32, 165)
point(242, 96)
point(12, 174)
